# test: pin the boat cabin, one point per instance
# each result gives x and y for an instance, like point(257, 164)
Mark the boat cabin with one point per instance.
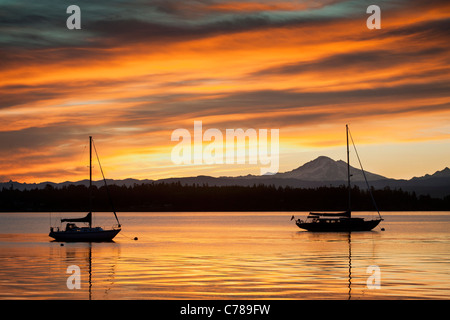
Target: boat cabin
point(72, 227)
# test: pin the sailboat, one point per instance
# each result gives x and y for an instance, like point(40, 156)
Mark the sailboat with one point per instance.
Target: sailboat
point(86, 233)
point(340, 221)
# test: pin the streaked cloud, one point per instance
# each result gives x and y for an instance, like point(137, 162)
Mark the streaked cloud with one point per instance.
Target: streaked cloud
point(140, 69)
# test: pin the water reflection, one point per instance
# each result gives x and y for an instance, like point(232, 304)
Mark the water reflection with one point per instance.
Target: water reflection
point(333, 251)
point(99, 259)
point(223, 256)
point(349, 266)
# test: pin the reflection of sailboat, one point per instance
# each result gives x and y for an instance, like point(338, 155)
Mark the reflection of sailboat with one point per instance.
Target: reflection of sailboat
point(90, 273)
point(341, 221)
point(74, 233)
point(83, 255)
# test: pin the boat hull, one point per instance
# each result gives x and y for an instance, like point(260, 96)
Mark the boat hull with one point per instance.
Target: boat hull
point(341, 225)
point(84, 236)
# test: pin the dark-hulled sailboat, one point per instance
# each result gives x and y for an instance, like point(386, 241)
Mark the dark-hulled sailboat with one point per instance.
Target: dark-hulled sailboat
point(339, 221)
point(87, 233)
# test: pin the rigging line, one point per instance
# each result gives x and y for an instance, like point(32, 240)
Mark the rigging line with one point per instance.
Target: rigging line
point(126, 236)
point(364, 174)
point(106, 185)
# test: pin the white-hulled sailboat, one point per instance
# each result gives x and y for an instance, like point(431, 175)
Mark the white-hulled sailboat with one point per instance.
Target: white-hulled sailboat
point(86, 233)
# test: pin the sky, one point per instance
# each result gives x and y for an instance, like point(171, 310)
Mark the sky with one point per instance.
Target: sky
point(138, 70)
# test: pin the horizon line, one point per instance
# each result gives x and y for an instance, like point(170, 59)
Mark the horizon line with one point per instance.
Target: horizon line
point(222, 176)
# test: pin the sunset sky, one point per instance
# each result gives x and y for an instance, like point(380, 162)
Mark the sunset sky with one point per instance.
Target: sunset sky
point(138, 70)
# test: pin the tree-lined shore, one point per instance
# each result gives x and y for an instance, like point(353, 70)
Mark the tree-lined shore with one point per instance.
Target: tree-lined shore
point(178, 197)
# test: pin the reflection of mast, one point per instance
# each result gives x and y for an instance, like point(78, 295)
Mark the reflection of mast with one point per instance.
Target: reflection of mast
point(349, 266)
point(110, 279)
point(90, 270)
point(84, 255)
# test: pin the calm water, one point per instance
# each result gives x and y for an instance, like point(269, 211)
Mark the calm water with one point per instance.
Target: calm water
point(227, 256)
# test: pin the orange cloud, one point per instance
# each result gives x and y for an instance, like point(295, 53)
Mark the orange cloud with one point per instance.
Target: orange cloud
point(305, 77)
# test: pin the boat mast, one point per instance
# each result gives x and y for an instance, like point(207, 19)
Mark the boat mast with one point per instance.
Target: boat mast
point(90, 179)
point(348, 174)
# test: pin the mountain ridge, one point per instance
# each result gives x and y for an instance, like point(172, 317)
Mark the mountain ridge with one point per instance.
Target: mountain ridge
point(325, 169)
point(322, 171)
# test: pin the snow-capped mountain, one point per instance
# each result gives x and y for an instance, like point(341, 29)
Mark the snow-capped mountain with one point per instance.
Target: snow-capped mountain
point(327, 169)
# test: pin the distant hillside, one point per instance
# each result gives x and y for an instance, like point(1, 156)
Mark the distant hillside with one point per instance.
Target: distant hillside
point(322, 171)
point(443, 174)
